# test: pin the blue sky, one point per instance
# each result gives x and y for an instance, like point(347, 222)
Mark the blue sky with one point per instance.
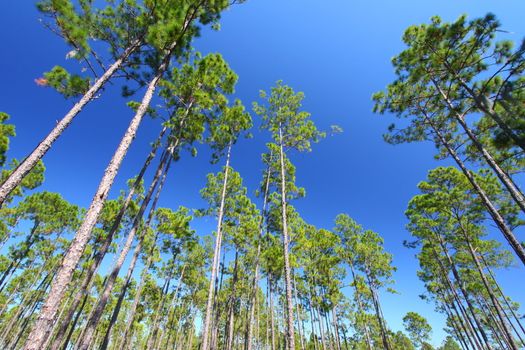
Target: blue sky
point(336, 51)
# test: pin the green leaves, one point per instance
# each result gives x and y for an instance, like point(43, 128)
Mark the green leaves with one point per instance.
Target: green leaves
point(282, 116)
point(6, 131)
point(417, 327)
point(66, 84)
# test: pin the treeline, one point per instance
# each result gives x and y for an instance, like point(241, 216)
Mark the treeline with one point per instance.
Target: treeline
point(125, 273)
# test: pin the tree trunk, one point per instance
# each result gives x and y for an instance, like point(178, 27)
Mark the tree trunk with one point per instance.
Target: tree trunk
point(336, 328)
point(99, 256)
point(504, 178)
point(16, 177)
point(232, 302)
point(127, 281)
point(253, 299)
point(87, 336)
point(287, 268)
point(380, 320)
point(360, 307)
point(272, 318)
point(42, 328)
point(509, 307)
point(173, 301)
point(494, 213)
point(464, 292)
point(299, 318)
point(154, 328)
point(486, 106)
point(216, 257)
point(19, 256)
point(506, 332)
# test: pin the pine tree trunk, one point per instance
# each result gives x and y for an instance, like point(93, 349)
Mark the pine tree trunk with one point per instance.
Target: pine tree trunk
point(450, 298)
point(457, 328)
point(509, 307)
point(88, 279)
point(464, 314)
point(272, 318)
point(360, 307)
point(127, 281)
point(42, 328)
point(506, 332)
point(321, 327)
point(16, 177)
point(173, 302)
point(380, 320)
point(19, 256)
point(494, 213)
point(464, 293)
point(87, 336)
point(232, 302)
point(312, 325)
point(287, 268)
point(152, 338)
point(253, 299)
point(216, 258)
point(504, 178)
point(298, 307)
point(336, 328)
point(486, 106)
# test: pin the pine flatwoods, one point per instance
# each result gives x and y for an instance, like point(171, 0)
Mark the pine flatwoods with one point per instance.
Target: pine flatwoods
point(127, 273)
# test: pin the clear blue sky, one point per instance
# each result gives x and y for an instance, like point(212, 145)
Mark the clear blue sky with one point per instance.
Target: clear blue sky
point(337, 52)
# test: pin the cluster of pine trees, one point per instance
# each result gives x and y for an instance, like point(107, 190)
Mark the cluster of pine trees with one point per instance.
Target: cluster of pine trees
point(125, 273)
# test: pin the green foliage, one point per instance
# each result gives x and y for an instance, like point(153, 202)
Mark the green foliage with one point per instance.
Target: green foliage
point(450, 344)
point(32, 180)
point(66, 84)
point(73, 26)
point(401, 342)
point(6, 131)
point(418, 328)
point(282, 116)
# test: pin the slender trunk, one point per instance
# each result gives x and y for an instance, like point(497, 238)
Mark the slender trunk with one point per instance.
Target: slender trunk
point(249, 330)
point(287, 268)
point(492, 297)
point(456, 327)
point(298, 307)
point(216, 310)
point(336, 328)
point(127, 281)
point(487, 107)
point(87, 337)
point(19, 256)
point(173, 303)
point(154, 328)
point(515, 193)
point(464, 292)
point(272, 321)
point(321, 327)
point(494, 213)
point(42, 328)
point(450, 299)
point(329, 331)
point(232, 302)
point(360, 307)
point(312, 325)
point(27, 300)
point(216, 257)
point(380, 320)
point(99, 256)
point(509, 307)
point(464, 314)
point(16, 177)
